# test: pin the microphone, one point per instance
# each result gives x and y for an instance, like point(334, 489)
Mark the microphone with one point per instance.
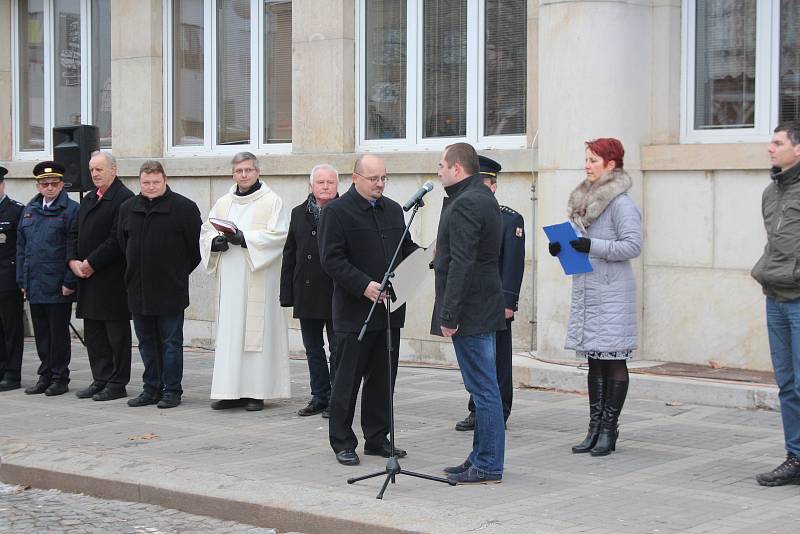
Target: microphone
point(426, 188)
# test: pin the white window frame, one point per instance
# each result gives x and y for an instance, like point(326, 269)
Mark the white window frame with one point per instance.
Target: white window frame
point(766, 72)
point(257, 87)
point(49, 80)
point(414, 140)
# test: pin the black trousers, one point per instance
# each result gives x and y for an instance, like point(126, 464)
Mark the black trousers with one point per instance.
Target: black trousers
point(504, 368)
point(108, 344)
point(355, 361)
point(51, 332)
point(11, 334)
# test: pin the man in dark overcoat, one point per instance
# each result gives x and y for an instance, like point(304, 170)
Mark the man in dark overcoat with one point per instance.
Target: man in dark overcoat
point(308, 289)
point(512, 267)
point(469, 303)
point(159, 234)
point(11, 327)
point(96, 259)
point(44, 277)
point(358, 233)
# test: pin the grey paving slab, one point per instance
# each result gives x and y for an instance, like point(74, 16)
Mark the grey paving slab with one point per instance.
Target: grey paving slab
point(678, 468)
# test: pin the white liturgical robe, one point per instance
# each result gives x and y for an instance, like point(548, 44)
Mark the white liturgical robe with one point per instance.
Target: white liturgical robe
point(251, 358)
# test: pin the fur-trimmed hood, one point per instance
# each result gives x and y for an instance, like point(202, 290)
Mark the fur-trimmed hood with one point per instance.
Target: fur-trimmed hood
point(589, 200)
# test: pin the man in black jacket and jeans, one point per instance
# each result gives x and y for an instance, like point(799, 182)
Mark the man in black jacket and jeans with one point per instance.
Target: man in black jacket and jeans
point(159, 233)
point(358, 235)
point(469, 303)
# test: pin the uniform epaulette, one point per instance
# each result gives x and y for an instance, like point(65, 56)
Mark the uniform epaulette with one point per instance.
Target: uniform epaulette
point(508, 210)
point(20, 204)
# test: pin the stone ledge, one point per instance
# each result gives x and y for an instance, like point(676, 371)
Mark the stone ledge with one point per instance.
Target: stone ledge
point(705, 157)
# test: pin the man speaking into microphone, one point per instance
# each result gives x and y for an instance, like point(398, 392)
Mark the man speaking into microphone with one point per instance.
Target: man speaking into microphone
point(358, 234)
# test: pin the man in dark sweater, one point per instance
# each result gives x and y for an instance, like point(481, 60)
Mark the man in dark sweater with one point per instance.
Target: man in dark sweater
point(358, 234)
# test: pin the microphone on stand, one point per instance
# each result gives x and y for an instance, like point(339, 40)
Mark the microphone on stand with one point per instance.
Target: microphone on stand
point(426, 188)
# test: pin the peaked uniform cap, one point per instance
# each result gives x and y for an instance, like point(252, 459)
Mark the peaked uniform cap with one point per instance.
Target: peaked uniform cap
point(489, 167)
point(48, 169)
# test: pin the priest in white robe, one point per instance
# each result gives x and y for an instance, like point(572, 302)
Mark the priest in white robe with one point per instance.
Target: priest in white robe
point(251, 358)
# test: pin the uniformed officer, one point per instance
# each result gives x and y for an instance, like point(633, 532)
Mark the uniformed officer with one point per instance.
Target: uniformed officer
point(44, 277)
point(11, 329)
point(512, 266)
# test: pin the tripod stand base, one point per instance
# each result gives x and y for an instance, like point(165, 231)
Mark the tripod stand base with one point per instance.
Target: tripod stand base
point(392, 469)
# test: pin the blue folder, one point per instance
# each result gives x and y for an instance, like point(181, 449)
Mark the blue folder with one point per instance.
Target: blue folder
point(572, 261)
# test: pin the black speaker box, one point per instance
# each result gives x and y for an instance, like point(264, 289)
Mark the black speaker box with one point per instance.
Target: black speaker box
point(73, 147)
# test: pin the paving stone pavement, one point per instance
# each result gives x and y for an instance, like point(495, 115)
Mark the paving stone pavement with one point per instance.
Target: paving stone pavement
point(35, 510)
point(685, 468)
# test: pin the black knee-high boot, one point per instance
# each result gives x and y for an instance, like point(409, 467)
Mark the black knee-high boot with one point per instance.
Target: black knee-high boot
point(616, 392)
point(596, 385)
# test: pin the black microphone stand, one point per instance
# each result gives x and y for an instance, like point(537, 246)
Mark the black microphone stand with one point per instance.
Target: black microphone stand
point(392, 465)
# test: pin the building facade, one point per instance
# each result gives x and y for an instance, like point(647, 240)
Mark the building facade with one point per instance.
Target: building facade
point(692, 88)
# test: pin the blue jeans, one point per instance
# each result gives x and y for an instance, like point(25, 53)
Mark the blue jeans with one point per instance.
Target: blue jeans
point(783, 327)
point(161, 348)
point(476, 358)
point(321, 377)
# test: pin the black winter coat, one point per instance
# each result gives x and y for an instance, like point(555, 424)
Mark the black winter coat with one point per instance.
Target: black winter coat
point(356, 243)
point(304, 285)
point(10, 214)
point(93, 237)
point(469, 294)
point(160, 239)
point(42, 250)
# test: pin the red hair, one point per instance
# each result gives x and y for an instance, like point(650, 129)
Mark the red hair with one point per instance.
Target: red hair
point(609, 149)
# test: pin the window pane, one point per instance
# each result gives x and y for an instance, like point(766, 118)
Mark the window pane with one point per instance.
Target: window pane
point(445, 72)
point(31, 75)
point(789, 92)
point(233, 72)
point(505, 67)
point(67, 62)
point(385, 77)
point(101, 69)
point(725, 63)
point(187, 72)
point(278, 69)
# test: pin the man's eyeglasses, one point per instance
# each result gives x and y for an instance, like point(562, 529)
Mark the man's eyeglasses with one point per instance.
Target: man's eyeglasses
point(374, 179)
point(45, 185)
point(241, 172)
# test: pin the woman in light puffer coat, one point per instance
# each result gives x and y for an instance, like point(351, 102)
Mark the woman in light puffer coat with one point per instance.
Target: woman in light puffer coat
point(603, 314)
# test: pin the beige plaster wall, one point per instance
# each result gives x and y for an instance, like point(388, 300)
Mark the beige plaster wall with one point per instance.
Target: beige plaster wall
point(5, 80)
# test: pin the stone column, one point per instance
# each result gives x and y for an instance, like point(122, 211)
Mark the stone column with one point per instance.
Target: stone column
point(137, 78)
point(5, 80)
point(323, 76)
point(594, 81)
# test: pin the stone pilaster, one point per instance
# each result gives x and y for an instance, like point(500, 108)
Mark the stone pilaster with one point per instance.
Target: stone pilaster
point(5, 80)
point(137, 78)
point(323, 76)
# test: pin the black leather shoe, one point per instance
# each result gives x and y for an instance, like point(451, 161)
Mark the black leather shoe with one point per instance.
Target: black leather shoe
point(474, 476)
point(38, 388)
point(459, 468)
point(93, 389)
point(56, 388)
point(108, 394)
point(467, 424)
point(169, 400)
point(254, 405)
point(227, 404)
point(786, 473)
point(326, 413)
point(7, 384)
point(312, 409)
point(385, 450)
point(145, 398)
point(347, 457)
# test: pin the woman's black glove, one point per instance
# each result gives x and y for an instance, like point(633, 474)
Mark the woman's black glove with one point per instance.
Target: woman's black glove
point(237, 239)
point(554, 247)
point(582, 244)
point(219, 244)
